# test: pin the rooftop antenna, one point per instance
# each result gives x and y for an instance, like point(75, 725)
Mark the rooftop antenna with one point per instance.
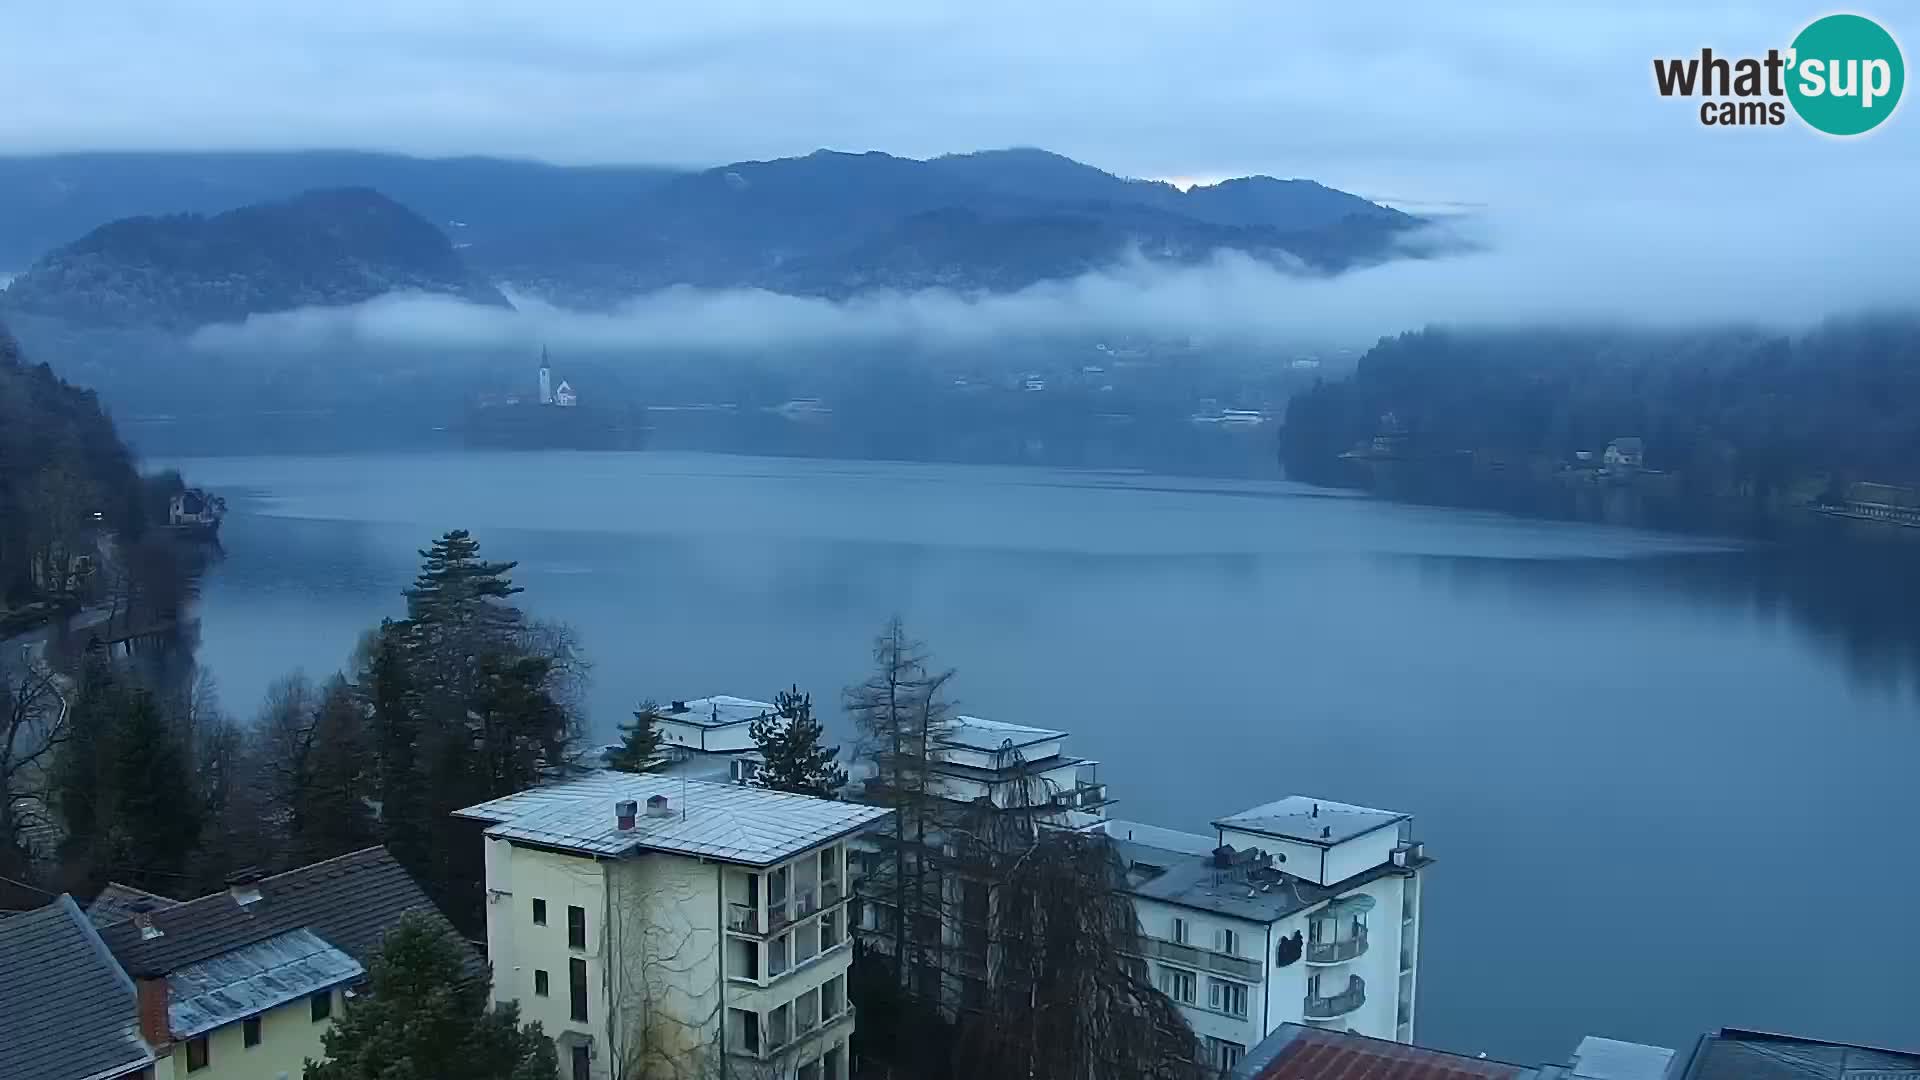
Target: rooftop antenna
point(683, 797)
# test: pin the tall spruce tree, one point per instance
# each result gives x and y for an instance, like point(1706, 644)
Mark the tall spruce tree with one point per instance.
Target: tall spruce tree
point(790, 744)
point(156, 816)
point(639, 741)
point(428, 1018)
point(386, 685)
point(332, 805)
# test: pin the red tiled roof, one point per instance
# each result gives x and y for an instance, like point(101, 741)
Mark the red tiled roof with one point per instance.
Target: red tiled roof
point(1314, 1054)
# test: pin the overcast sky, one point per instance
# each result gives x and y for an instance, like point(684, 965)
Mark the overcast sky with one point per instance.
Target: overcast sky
point(1416, 102)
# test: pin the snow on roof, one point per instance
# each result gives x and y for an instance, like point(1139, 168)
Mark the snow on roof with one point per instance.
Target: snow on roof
point(720, 710)
point(727, 822)
point(974, 733)
point(1309, 820)
point(252, 979)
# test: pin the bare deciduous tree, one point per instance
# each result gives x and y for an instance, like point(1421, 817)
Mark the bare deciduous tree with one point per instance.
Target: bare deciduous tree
point(33, 723)
point(901, 713)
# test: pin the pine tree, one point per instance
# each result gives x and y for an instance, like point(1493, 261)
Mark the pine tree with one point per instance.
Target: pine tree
point(156, 818)
point(330, 808)
point(639, 741)
point(387, 686)
point(427, 1018)
point(454, 582)
point(790, 744)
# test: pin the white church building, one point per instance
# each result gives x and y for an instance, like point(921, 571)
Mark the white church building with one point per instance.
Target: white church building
point(562, 395)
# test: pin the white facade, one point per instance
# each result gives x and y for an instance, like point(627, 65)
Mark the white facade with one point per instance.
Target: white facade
point(1313, 917)
point(652, 924)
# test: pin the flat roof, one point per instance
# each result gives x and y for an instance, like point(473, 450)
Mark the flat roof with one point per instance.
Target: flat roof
point(253, 979)
point(974, 733)
point(1191, 880)
point(1307, 820)
point(1598, 1058)
point(1172, 841)
point(1738, 1054)
point(722, 821)
point(720, 710)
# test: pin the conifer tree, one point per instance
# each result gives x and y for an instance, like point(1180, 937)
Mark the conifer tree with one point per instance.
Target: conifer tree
point(639, 741)
point(790, 744)
point(427, 1018)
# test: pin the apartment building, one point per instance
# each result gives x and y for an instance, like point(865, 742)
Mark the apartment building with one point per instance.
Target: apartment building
point(652, 921)
point(977, 765)
point(1300, 910)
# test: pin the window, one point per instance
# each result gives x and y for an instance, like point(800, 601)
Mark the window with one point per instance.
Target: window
point(197, 1054)
point(1227, 997)
point(746, 1030)
point(250, 1031)
point(833, 997)
point(321, 1005)
point(576, 927)
point(1177, 984)
point(1224, 1055)
point(1226, 941)
point(577, 984)
point(580, 1062)
point(539, 912)
point(1180, 930)
point(539, 983)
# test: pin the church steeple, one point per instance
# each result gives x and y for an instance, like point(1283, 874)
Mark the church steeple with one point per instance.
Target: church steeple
point(546, 378)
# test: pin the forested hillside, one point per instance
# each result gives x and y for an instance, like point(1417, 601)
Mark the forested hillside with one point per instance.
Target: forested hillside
point(61, 463)
point(328, 247)
point(1724, 414)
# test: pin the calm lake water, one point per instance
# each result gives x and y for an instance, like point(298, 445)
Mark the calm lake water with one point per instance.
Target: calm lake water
point(1670, 782)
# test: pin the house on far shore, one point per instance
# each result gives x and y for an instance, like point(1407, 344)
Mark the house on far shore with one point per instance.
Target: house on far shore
point(1625, 454)
point(242, 984)
point(66, 1008)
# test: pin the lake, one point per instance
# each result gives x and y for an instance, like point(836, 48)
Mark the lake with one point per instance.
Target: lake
point(1661, 775)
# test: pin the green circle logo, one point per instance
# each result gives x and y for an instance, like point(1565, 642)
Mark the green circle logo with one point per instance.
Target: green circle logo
point(1845, 75)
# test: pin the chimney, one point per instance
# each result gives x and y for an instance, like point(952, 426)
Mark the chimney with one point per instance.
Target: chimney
point(144, 921)
point(657, 807)
point(1326, 832)
point(623, 813)
point(244, 886)
point(151, 994)
point(1316, 809)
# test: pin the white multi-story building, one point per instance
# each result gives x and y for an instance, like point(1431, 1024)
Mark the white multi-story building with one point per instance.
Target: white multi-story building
point(652, 923)
point(1301, 910)
point(710, 737)
point(976, 764)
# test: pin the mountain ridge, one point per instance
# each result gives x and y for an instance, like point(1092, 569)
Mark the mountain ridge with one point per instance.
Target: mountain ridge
point(828, 224)
point(325, 247)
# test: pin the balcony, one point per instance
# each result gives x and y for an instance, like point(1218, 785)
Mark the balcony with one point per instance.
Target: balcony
point(1340, 1004)
point(1238, 967)
point(743, 918)
point(1337, 952)
point(767, 1049)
